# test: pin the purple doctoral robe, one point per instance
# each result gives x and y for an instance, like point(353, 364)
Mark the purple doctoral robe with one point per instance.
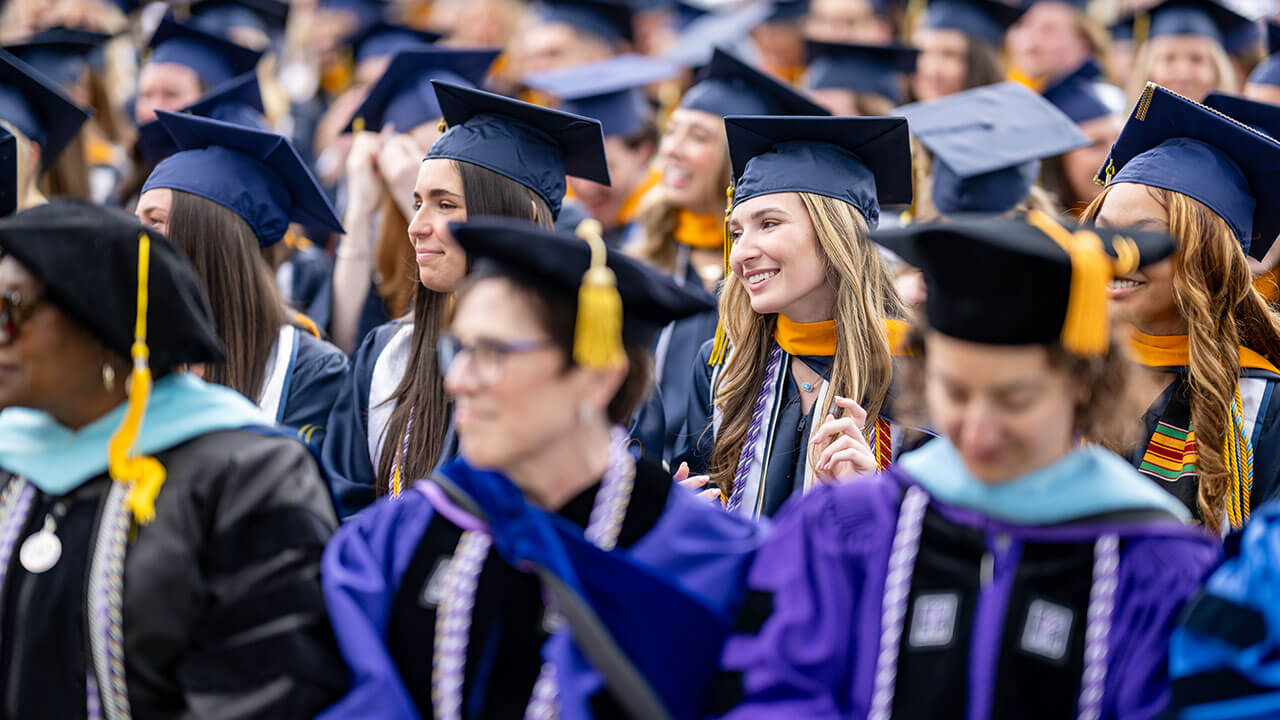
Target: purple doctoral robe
point(1051, 598)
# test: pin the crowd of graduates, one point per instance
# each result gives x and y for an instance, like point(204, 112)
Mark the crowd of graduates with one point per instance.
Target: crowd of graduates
point(639, 358)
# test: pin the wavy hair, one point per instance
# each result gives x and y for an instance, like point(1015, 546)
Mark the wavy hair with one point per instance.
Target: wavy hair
point(1213, 290)
point(863, 366)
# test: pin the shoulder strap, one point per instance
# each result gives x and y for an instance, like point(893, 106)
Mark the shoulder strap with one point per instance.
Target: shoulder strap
point(632, 691)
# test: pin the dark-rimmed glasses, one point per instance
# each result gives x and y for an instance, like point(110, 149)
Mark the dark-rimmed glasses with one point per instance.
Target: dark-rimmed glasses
point(488, 357)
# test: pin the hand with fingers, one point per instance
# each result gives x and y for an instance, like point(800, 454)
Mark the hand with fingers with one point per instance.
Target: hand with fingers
point(700, 485)
point(842, 447)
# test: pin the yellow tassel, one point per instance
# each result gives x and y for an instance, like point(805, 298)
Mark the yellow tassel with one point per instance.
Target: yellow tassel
point(144, 475)
point(358, 124)
point(722, 338)
point(1086, 328)
point(597, 339)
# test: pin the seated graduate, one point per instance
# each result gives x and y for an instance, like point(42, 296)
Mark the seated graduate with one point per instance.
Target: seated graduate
point(374, 276)
point(41, 117)
point(1208, 341)
point(434, 604)
point(1003, 569)
point(229, 192)
point(160, 541)
point(499, 157)
point(982, 151)
point(800, 370)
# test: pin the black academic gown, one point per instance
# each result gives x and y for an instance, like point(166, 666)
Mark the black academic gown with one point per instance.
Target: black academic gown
point(680, 343)
point(222, 610)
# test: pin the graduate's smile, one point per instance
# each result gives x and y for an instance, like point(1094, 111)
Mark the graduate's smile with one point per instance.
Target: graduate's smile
point(757, 279)
point(1124, 287)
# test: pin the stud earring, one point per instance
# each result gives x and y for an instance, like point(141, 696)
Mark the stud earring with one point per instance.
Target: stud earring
point(108, 377)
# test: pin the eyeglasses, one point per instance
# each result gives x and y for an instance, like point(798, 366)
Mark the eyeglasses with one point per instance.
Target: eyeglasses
point(488, 357)
point(14, 311)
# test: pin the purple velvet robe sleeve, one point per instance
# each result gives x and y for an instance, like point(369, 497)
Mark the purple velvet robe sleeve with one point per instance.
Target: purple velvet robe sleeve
point(705, 551)
point(1157, 576)
point(361, 573)
point(824, 565)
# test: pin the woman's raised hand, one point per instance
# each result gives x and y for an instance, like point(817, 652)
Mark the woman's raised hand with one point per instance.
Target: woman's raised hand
point(845, 452)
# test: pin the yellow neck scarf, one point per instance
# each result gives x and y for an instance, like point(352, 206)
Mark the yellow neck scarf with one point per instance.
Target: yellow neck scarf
point(705, 232)
point(1159, 351)
point(819, 338)
point(814, 339)
point(630, 209)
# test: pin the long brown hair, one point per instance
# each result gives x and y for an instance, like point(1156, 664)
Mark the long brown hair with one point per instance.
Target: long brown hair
point(982, 64)
point(1213, 289)
point(68, 176)
point(863, 365)
point(248, 311)
point(421, 390)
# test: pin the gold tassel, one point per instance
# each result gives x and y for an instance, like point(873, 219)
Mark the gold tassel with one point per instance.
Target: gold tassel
point(722, 338)
point(1086, 328)
point(358, 125)
point(144, 475)
point(597, 339)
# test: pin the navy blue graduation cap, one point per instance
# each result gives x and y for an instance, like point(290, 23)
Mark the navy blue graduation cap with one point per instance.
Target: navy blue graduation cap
point(1244, 40)
point(254, 173)
point(788, 11)
point(685, 13)
point(1268, 71)
point(1189, 17)
point(265, 16)
point(215, 59)
point(38, 109)
point(556, 262)
point(861, 68)
point(531, 145)
point(403, 96)
point(987, 20)
point(732, 87)
point(1173, 143)
point(611, 91)
point(864, 161)
point(8, 172)
point(609, 20)
point(1263, 117)
point(238, 102)
point(1015, 282)
point(1079, 95)
point(379, 38)
point(60, 53)
point(364, 11)
point(987, 144)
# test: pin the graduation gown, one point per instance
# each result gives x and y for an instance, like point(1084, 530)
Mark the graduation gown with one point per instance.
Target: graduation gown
point(1165, 455)
point(787, 433)
point(302, 275)
point(383, 575)
point(357, 424)
point(922, 593)
point(222, 613)
point(304, 376)
point(675, 351)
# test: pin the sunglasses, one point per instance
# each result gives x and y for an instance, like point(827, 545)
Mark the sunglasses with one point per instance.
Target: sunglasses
point(14, 311)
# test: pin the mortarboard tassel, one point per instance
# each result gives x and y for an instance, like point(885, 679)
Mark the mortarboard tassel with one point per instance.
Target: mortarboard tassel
point(722, 338)
point(597, 339)
point(144, 475)
point(1086, 330)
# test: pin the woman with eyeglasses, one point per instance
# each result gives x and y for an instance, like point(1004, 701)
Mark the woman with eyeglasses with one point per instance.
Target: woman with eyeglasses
point(159, 541)
point(440, 601)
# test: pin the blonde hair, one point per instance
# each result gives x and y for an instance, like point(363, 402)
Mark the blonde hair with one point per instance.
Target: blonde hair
point(1213, 290)
point(29, 194)
point(1138, 77)
point(863, 365)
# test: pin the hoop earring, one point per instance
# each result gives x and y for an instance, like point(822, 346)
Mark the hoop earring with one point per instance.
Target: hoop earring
point(108, 377)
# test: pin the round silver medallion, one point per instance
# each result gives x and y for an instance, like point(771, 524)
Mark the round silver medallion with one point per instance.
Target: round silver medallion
point(40, 552)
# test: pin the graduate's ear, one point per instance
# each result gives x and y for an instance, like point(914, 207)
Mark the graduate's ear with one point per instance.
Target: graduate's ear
point(599, 387)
